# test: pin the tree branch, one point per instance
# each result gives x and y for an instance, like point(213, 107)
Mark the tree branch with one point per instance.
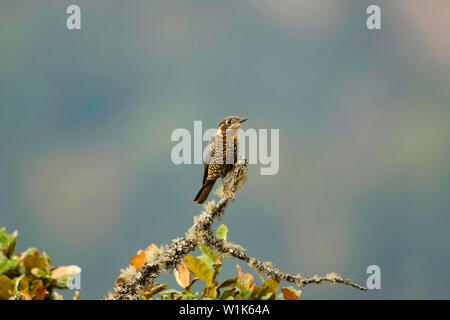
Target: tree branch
point(134, 282)
point(272, 272)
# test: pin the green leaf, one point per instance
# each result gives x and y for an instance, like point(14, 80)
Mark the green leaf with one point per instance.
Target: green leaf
point(38, 273)
point(22, 284)
point(47, 263)
point(8, 242)
point(272, 285)
point(12, 245)
point(6, 264)
point(207, 256)
point(199, 269)
point(255, 292)
point(227, 294)
point(222, 232)
point(155, 290)
point(6, 287)
point(170, 294)
point(269, 290)
point(62, 282)
point(189, 296)
point(245, 294)
point(170, 291)
point(265, 295)
point(37, 290)
point(210, 292)
point(32, 259)
point(227, 283)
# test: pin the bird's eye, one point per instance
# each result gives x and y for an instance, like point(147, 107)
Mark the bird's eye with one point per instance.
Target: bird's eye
point(228, 122)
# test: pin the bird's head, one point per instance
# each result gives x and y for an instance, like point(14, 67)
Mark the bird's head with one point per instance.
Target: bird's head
point(230, 123)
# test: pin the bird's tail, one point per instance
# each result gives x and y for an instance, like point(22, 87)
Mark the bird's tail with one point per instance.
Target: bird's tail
point(204, 191)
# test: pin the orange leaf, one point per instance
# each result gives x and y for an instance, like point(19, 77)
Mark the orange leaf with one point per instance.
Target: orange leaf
point(182, 275)
point(289, 294)
point(138, 261)
point(59, 272)
point(39, 294)
point(37, 290)
point(243, 277)
point(63, 270)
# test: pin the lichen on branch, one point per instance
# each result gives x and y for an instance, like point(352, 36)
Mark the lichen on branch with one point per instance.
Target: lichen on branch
point(138, 278)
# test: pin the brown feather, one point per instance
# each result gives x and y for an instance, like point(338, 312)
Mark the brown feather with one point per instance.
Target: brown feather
point(215, 163)
point(204, 191)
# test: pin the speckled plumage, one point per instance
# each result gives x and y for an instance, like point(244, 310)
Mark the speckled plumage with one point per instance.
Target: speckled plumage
point(221, 156)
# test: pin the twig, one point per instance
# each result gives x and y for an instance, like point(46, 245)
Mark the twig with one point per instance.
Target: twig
point(135, 282)
point(272, 272)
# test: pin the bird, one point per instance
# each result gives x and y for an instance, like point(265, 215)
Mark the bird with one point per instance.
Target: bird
point(220, 156)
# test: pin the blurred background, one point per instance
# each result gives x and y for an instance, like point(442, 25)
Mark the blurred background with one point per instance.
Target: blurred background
point(86, 118)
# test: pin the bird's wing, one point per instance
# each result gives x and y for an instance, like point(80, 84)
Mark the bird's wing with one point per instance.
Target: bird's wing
point(209, 156)
point(205, 172)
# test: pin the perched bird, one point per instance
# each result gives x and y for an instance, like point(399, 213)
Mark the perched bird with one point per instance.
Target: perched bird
point(222, 154)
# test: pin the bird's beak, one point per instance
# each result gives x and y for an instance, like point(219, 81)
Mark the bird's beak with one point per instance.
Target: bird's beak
point(243, 120)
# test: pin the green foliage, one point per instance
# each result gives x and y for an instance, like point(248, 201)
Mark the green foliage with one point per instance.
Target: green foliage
point(29, 275)
point(206, 268)
point(222, 232)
